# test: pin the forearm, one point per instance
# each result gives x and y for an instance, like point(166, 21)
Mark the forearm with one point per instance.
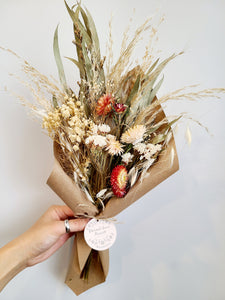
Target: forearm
point(12, 261)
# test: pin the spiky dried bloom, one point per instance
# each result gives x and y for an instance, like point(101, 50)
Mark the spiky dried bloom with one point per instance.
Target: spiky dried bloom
point(104, 105)
point(113, 146)
point(133, 135)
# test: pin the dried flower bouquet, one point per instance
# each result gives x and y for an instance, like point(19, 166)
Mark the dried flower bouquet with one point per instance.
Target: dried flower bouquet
point(110, 136)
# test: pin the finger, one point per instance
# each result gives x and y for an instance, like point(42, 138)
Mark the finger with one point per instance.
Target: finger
point(61, 212)
point(74, 224)
point(61, 241)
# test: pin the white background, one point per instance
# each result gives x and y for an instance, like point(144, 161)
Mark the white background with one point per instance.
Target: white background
point(171, 244)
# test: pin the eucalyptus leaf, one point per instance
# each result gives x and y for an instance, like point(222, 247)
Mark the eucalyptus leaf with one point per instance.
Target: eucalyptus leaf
point(94, 35)
point(87, 63)
point(85, 35)
point(161, 66)
point(71, 12)
point(95, 51)
point(58, 60)
point(78, 64)
point(75, 16)
point(85, 18)
point(154, 92)
point(134, 90)
point(131, 96)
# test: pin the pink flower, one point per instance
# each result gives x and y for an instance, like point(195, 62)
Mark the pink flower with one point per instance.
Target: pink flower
point(119, 107)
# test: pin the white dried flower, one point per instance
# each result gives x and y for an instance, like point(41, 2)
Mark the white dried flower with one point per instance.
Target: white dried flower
point(104, 128)
point(110, 137)
point(97, 140)
point(140, 147)
point(65, 111)
point(153, 148)
point(100, 141)
point(94, 129)
point(127, 157)
point(133, 135)
point(113, 146)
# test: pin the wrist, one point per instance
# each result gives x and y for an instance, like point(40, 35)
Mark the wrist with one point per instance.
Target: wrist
point(13, 260)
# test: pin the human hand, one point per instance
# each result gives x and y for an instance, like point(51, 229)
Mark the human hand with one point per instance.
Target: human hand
point(48, 234)
point(38, 243)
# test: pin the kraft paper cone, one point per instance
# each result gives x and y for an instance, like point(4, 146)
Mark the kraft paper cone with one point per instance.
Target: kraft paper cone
point(60, 181)
point(98, 268)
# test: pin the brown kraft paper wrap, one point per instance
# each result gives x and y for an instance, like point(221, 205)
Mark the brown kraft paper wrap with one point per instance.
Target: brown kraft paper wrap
point(62, 184)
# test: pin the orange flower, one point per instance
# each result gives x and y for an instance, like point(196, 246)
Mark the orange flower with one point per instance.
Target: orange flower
point(119, 181)
point(104, 105)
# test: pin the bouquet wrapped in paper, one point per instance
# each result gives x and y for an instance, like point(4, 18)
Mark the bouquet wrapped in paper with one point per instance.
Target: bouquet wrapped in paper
point(112, 140)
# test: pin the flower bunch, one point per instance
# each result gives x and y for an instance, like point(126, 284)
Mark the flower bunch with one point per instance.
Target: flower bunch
point(114, 129)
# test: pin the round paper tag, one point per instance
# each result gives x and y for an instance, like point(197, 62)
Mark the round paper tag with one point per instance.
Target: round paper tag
point(100, 234)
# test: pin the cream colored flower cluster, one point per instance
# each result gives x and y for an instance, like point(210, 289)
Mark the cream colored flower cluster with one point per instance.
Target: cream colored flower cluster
point(52, 122)
point(147, 151)
point(78, 125)
point(70, 118)
point(101, 138)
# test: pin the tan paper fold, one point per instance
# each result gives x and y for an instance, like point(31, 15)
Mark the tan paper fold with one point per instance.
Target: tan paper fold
point(98, 268)
point(68, 190)
point(61, 182)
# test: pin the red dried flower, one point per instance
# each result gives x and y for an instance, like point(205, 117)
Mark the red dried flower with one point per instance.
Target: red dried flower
point(119, 107)
point(104, 105)
point(119, 180)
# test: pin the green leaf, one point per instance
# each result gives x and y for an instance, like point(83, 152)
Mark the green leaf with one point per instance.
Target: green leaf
point(94, 35)
point(159, 138)
point(173, 122)
point(162, 136)
point(85, 35)
point(152, 66)
point(153, 129)
point(58, 60)
point(134, 90)
point(72, 13)
point(161, 66)
point(122, 83)
point(84, 16)
point(74, 16)
point(154, 92)
point(87, 63)
point(95, 51)
point(78, 64)
point(54, 101)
